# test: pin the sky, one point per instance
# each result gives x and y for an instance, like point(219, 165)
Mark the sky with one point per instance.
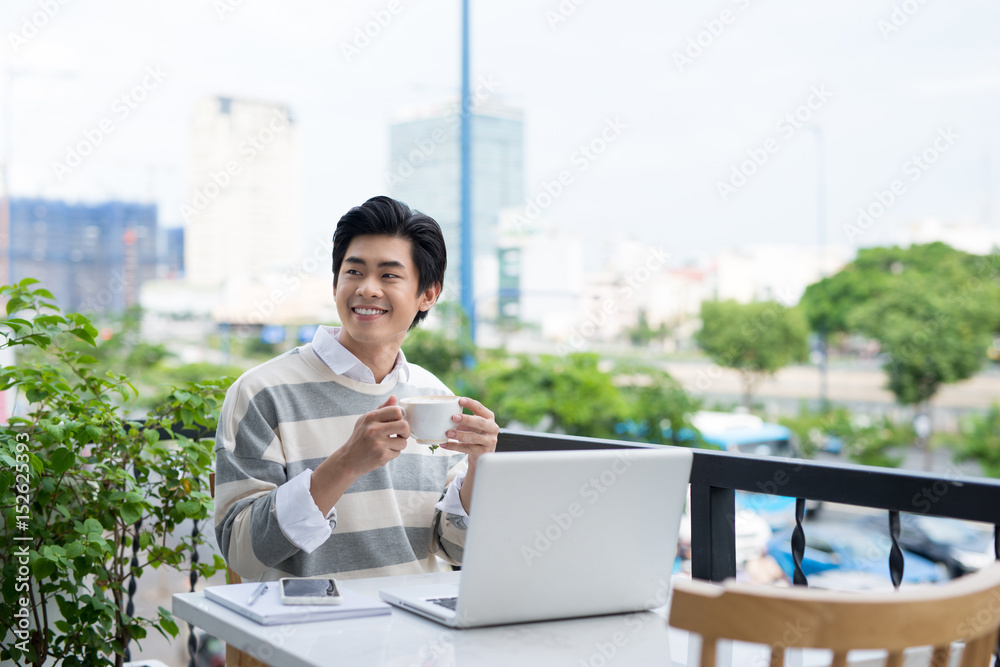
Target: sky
point(711, 125)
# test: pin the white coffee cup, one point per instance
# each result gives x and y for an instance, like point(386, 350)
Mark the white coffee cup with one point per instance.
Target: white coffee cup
point(430, 417)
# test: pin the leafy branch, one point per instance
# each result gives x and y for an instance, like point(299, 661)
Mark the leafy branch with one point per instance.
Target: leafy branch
point(84, 483)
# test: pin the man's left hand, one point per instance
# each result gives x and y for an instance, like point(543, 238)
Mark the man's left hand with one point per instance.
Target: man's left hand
point(474, 434)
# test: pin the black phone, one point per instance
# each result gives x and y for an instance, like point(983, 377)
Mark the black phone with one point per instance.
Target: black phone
point(317, 590)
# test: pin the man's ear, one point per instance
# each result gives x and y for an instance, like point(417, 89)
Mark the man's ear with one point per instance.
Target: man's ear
point(430, 296)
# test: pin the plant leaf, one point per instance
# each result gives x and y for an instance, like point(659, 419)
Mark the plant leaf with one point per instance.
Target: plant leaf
point(42, 568)
point(131, 512)
point(62, 460)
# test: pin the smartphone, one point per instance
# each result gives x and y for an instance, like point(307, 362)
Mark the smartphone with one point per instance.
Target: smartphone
point(320, 590)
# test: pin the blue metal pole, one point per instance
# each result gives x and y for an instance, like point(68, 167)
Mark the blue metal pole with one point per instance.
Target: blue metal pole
point(468, 298)
point(821, 241)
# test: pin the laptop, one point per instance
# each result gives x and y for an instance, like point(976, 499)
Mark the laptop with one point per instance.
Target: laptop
point(558, 535)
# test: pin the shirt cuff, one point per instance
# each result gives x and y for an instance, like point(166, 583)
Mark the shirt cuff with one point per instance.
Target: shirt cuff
point(452, 502)
point(298, 516)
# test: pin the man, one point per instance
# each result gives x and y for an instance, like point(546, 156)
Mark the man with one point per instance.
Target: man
point(316, 473)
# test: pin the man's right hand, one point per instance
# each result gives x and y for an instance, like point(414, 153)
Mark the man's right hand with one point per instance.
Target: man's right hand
point(379, 436)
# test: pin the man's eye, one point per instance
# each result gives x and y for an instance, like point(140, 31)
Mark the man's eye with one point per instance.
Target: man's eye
point(352, 272)
point(389, 275)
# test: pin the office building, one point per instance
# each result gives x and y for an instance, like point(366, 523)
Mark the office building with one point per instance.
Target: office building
point(243, 215)
point(172, 257)
point(92, 257)
point(425, 173)
point(534, 290)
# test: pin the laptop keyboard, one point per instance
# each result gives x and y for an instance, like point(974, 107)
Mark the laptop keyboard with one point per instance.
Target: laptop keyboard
point(449, 603)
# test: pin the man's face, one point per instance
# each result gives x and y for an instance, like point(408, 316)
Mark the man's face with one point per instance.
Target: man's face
point(376, 293)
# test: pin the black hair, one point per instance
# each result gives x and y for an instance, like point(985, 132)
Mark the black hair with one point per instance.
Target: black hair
point(387, 217)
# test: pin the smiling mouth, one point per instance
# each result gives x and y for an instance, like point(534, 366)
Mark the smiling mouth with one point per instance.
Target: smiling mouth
point(368, 311)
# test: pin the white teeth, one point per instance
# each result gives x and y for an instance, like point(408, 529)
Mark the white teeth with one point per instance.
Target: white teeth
point(368, 311)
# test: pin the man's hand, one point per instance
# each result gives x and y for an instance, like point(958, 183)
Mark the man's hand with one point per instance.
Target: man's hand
point(474, 434)
point(379, 436)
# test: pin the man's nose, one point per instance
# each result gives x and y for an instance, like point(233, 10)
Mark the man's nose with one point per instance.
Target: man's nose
point(369, 287)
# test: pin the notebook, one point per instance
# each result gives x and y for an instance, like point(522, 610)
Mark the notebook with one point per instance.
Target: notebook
point(268, 609)
point(557, 535)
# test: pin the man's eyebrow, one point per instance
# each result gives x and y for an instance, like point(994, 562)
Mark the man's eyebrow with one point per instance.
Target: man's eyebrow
point(389, 263)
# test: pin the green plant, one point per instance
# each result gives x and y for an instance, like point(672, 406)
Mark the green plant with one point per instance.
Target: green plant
point(660, 411)
point(980, 441)
point(864, 440)
point(931, 308)
point(757, 339)
point(90, 497)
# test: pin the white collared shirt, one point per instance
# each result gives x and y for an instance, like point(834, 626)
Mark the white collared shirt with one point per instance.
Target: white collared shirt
point(298, 516)
point(327, 346)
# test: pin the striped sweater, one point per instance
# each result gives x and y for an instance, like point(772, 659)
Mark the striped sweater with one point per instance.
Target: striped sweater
point(288, 415)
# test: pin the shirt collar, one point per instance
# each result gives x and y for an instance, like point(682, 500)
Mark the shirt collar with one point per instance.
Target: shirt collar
point(343, 362)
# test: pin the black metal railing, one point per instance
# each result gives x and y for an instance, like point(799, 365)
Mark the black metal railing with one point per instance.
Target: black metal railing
point(716, 476)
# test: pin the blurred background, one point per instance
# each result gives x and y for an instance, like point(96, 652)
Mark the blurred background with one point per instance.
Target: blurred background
point(768, 227)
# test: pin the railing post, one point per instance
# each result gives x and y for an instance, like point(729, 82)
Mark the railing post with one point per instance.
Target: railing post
point(713, 532)
point(799, 543)
point(193, 578)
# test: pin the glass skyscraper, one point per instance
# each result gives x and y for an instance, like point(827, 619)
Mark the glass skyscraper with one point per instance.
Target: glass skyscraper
point(424, 172)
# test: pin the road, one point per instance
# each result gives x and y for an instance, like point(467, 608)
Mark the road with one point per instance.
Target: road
point(858, 388)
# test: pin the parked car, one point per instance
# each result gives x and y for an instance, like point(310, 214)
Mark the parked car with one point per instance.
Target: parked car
point(959, 546)
point(849, 548)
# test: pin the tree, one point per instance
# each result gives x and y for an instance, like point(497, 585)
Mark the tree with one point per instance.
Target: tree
point(568, 394)
point(756, 338)
point(660, 411)
point(438, 352)
point(930, 307)
point(641, 335)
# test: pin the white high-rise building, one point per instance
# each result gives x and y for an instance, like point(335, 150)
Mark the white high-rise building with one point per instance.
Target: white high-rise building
point(243, 215)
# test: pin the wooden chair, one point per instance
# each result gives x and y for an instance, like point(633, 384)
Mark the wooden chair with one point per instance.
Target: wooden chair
point(965, 609)
point(235, 657)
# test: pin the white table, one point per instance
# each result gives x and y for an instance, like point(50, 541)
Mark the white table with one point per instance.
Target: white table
point(402, 639)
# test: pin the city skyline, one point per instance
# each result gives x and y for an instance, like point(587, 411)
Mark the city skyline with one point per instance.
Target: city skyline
point(683, 126)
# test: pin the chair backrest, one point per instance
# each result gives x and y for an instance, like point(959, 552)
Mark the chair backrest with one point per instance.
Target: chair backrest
point(965, 609)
